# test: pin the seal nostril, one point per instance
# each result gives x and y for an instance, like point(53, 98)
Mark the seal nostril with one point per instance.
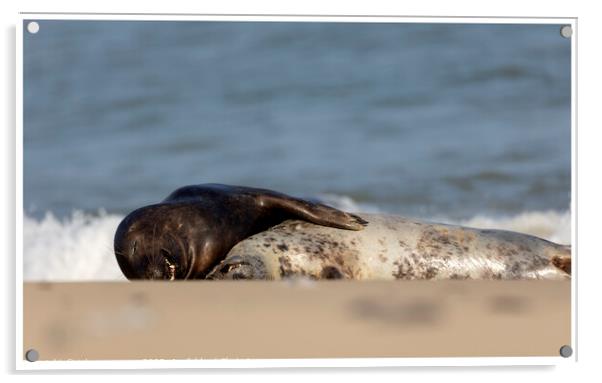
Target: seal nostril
point(156, 274)
point(331, 272)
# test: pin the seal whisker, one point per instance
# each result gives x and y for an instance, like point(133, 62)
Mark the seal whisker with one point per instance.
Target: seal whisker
point(153, 241)
point(145, 254)
point(108, 248)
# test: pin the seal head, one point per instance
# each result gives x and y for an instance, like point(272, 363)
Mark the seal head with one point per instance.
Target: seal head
point(158, 242)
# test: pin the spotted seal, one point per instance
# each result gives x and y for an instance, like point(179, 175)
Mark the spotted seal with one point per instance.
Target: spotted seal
point(190, 231)
point(393, 248)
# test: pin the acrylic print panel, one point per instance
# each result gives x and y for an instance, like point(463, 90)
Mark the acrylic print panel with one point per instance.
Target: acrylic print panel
point(407, 146)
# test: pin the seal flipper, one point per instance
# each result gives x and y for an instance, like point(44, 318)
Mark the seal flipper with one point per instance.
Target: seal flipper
point(563, 263)
point(314, 212)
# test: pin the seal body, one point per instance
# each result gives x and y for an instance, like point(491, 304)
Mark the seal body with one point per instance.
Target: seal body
point(186, 234)
point(391, 248)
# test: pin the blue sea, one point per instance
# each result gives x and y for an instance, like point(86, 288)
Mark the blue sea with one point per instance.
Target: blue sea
point(462, 123)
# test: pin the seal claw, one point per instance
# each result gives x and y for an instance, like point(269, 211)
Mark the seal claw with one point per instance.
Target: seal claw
point(359, 220)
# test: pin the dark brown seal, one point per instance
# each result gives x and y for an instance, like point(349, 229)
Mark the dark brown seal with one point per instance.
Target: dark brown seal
point(193, 229)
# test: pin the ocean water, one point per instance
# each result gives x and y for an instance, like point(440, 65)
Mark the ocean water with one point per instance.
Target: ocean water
point(459, 123)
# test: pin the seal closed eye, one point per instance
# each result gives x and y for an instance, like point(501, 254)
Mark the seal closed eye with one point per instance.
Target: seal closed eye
point(193, 229)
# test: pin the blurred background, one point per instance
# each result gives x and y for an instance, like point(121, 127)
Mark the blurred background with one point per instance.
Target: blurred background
point(462, 123)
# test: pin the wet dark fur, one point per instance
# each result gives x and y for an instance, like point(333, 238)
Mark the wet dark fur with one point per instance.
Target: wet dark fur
point(195, 227)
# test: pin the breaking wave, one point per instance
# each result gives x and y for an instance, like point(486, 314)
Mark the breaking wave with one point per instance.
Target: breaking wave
point(79, 247)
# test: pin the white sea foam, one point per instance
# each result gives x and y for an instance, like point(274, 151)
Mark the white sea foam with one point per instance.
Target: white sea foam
point(551, 225)
point(77, 248)
point(80, 247)
point(347, 203)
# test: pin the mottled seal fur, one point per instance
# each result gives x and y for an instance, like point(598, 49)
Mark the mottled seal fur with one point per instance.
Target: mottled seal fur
point(190, 231)
point(393, 248)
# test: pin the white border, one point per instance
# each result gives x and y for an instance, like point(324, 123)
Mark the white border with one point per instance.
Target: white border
point(21, 364)
point(574, 244)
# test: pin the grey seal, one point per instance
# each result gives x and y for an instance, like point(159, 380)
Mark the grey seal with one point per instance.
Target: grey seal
point(393, 248)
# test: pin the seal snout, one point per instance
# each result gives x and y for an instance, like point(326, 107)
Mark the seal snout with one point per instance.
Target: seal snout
point(238, 268)
point(155, 274)
point(152, 251)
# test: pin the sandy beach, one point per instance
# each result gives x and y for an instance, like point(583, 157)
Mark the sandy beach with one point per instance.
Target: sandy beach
point(215, 320)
